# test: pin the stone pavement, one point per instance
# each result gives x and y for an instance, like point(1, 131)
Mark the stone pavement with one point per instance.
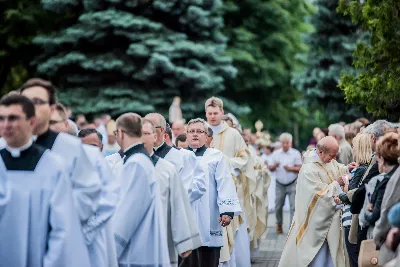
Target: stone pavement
point(272, 245)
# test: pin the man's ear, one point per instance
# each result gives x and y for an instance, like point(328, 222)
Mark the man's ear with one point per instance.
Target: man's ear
point(33, 122)
point(52, 108)
point(223, 112)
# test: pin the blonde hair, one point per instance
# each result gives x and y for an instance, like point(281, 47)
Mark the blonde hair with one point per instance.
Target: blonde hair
point(214, 102)
point(363, 146)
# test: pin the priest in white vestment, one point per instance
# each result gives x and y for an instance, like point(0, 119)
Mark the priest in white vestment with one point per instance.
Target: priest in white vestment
point(217, 207)
point(98, 230)
point(86, 183)
point(236, 250)
point(38, 222)
point(316, 236)
point(183, 233)
point(191, 174)
point(139, 227)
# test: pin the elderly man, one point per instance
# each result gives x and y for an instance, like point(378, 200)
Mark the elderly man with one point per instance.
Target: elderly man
point(315, 237)
point(286, 166)
point(345, 151)
point(178, 128)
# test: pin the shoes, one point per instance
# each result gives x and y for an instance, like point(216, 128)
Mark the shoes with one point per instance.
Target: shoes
point(279, 229)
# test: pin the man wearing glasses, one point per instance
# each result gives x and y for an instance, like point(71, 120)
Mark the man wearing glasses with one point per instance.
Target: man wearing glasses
point(220, 203)
point(86, 183)
point(185, 162)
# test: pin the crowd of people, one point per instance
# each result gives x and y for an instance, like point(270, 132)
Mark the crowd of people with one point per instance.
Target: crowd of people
point(127, 192)
point(138, 191)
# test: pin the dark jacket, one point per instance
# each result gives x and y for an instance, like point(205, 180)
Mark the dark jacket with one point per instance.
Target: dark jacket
point(377, 197)
point(359, 195)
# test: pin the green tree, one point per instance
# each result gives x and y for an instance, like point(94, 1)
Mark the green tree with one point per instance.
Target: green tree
point(124, 56)
point(377, 83)
point(20, 21)
point(331, 46)
point(264, 38)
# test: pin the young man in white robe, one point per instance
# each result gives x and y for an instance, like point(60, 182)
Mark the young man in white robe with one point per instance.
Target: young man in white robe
point(191, 174)
point(217, 207)
point(316, 236)
point(183, 233)
point(86, 183)
point(236, 250)
point(98, 231)
point(38, 222)
point(139, 227)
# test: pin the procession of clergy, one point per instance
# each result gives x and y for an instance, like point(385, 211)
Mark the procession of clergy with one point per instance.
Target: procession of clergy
point(151, 204)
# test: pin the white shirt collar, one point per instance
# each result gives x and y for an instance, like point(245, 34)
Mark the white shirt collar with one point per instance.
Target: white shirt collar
point(216, 129)
point(158, 147)
point(16, 151)
point(135, 144)
point(152, 153)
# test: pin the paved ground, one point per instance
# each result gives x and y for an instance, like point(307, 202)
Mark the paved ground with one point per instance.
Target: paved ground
point(272, 244)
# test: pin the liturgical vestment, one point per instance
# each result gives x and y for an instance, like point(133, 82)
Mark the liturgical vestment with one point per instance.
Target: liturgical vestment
point(231, 144)
point(316, 227)
point(39, 225)
point(182, 230)
point(139, 228)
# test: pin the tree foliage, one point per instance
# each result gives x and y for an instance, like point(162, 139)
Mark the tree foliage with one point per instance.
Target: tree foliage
point(124, 56)
point(264, 38)
point(377, 84)
point(331, 46)
point(20, 22)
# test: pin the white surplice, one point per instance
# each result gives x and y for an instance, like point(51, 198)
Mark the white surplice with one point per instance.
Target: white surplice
point(98, 230)
point(219, 198)
point(86, 183)
point(39, 225)
point(139, 227)
point(182, 230)
point(190, 172)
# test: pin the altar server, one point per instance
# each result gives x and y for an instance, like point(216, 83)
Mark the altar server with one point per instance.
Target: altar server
point(191, 174)
point(139, 228)
point(98, 231)
point(39, 225)
point(86, 183)
point(183, 233)
point(219, 204)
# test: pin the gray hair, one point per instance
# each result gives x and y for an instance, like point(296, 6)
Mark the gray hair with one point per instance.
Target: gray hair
point(378, 128)
point(144, 121)
point(161, 120)
point(337, 130)
point(198, 120)
point(286, 136)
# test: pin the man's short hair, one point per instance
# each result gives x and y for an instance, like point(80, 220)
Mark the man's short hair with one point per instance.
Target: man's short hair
point(131, 123)
point(60, 108)
point(85, 132)
point(198, 120)
point(47, 85)
point(168, 131)
point(227, 118)
point(210, 132)
point(144, 121)
point(337, 130)
point(286, 136)
point(161, 120)
point(180, 138)
point(214, 102)
point(27, 106)
point(378, 128)
point(322, 147)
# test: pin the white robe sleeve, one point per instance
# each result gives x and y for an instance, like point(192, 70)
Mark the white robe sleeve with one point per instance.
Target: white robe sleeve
point(185, 233)
point(228, 200)
point(108, 200)
point(133, 206)
point(86, 186)
point(193, 177)
point(5, 188)
point(65, 245)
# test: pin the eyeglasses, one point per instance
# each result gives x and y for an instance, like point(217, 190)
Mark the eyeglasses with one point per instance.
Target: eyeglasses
point(53, 122)
point(116, 131)
point(157, 127)
point(39, 102)
point(196, 131)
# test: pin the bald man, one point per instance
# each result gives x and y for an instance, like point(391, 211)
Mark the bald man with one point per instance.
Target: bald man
point(316, 236)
